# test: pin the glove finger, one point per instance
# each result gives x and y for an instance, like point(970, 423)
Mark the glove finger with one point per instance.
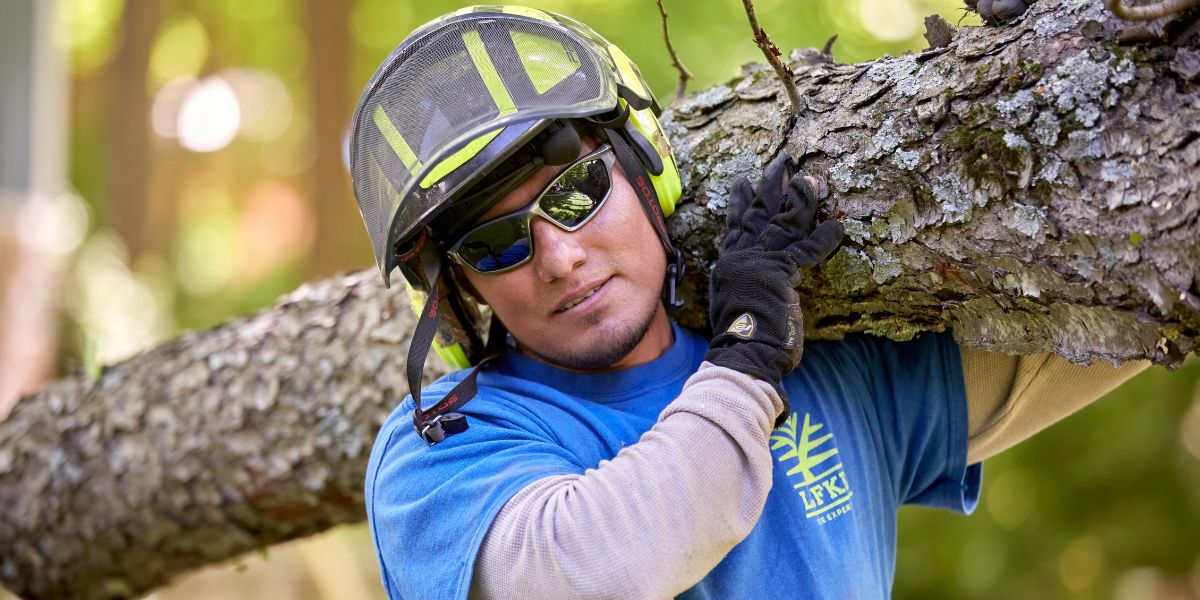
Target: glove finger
point(773, 186)
point(741, 197)
point(754, 220)
point(803, 192)
point(753, 223)
point(820, 244)
point(796, 221)
point(773, 237)
point(817, 186)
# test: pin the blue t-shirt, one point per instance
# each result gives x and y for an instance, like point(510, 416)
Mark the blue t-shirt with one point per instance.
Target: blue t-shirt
point(875, 424)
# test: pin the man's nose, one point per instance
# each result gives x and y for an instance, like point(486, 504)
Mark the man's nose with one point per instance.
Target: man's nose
point(556, 252)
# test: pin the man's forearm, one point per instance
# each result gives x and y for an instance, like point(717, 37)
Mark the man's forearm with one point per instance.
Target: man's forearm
point(652, 521)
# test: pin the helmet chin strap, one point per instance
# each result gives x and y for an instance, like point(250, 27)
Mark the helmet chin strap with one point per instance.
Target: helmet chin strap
point(636, 170)
point(441, 420)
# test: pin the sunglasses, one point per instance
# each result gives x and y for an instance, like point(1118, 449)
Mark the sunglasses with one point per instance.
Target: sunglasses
point(569, 202)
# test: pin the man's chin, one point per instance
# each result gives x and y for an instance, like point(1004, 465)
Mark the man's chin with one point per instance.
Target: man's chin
point(598, 352)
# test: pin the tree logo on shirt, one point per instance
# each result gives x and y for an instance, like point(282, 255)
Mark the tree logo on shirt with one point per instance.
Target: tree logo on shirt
point(822, 484)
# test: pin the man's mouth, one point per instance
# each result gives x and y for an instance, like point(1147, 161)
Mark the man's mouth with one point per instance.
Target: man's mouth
point(576, 301)
point(579, 299)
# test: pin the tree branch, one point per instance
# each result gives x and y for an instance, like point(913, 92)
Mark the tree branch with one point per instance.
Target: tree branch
point(772, 53)
point(684, 74)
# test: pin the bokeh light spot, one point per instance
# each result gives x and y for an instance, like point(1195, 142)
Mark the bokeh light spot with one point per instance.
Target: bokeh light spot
point(265, 103)
point(1139, 584)
point(164, 113)
point(181, 50)
point(86, 28)
point(1081, 562)
point(1011, 498)
point(56, 225)
point(209, 117)
point(888, 20)
point(276, 225)
point(122, 310)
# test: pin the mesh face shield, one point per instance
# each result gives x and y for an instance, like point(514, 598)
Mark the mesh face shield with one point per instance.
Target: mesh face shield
point(460, 94)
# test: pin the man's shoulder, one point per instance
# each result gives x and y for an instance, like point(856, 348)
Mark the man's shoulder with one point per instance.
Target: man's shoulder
point(502, 404)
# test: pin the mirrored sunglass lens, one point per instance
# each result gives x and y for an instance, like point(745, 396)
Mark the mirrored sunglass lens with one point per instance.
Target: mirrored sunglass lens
point(577, 193)
point(496, 245)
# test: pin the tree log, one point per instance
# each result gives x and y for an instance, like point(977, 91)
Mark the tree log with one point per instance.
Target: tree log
point(1033, 187)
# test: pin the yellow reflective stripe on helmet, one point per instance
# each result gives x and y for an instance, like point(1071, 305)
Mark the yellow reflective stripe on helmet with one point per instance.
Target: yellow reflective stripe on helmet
point(456, 160)
point(525, 11)
point(392, 135)
point(628, 72)
point(546, 61)
point(487, 70)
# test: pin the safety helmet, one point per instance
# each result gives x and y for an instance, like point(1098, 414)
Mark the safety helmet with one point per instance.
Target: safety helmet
point(463, 103)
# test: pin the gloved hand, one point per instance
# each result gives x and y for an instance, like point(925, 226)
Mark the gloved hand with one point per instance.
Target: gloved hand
point(752, 303)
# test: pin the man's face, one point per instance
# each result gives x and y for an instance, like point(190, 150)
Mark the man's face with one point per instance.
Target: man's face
point(617, 255)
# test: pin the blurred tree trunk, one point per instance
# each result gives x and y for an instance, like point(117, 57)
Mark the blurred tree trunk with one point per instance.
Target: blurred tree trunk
point(1033, 187)
point(333, 201)
point(128, 198)
point(32, 179)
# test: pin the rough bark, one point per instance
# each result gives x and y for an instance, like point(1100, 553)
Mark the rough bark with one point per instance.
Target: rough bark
point(203, 448)
point(1033, 186)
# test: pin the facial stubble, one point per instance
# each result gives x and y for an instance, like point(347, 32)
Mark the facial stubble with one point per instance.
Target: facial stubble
point(608, 350)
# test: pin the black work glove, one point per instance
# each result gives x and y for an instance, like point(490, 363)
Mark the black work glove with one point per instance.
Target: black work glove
point(752, 303)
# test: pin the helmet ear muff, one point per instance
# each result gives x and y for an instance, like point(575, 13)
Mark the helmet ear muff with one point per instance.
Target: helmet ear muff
point(646, 136)
point(646, 152)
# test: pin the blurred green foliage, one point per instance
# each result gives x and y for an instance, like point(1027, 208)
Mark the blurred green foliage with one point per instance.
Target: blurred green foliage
point(1104, 505)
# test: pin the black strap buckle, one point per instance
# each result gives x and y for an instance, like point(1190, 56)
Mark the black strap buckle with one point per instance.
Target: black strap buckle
point(442, 426)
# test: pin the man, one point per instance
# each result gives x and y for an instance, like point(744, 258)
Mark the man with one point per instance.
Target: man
point(512, 157)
